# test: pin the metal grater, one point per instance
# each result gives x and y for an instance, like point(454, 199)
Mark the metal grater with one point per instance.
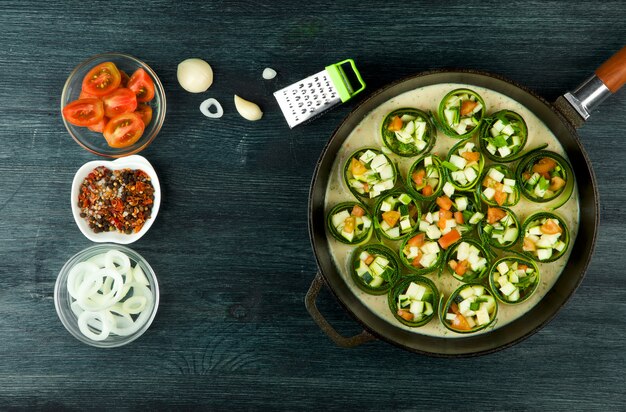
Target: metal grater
point(314, 95)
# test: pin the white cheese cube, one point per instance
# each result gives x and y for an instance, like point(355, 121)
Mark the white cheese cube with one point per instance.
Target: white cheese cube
point(405, 224)
point(378, 162)
point(428, 161)
point(544, 254)
point(415, 291)
point(428, 260)
point(394, 232)
point(479, 265)
point(367, 156)
point(462, 252)
point(385, 206)
point(509, 182)
point(495, 174)
point(458, 161)
point(433, 232)
point(430, 248)
point(470, 174)
point(489, 193)
point(461, 203)
point(386, 172)
point(424, 225)
point(467, 292)
point(503, 268)
point(339, 218)
point(417, 307)
point(507, 289)
point(448, 189)
point(482, 316)
point(504, 151)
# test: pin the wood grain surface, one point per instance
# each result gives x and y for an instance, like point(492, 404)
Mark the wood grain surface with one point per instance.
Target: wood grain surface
point(230, 245)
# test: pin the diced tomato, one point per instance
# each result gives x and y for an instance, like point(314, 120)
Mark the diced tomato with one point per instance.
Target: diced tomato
point(124, 79)
point(526, 176)
point(458, 217)
point(416, 260)
point(556, 183)
point(471, 156)
point(417, 240)
point(405, 314)
point(369, 260)
point(349, 224)
point(357, 167)
point(454, 308)
point(418, 177)
point(99, 127)
point(460, 323)
point(85, 95)
point(123, 130)
point(427, 190)
point(522, 267)
point(550, 227)
point(357, 211)
point(449, 238)
point(119, 102)
point(461, 268)
point(500, 197)
point(489, 182)
point(467, 106)
point(142, 85)
point(544, 165)
point(391, 217)
point(84, 112)
point(453, 264)
point(494, 214)
point(444, 202)
point(395, 125)
point(102, 79)
point(529, 245)
point(145, 111)
point(444, 215)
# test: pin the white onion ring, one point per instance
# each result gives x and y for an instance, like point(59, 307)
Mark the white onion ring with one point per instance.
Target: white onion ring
point(207, 104)
point(135, 304)
point(77, 276)
point(139, 276)
point(105, 319)
point(86, 300)
point(117, 261)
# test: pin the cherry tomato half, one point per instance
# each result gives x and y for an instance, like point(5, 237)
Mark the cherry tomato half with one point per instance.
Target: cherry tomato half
point(84, 112)
point(99, 127)
point(125, 79)
point(85, 95)
point(141, 83)
point(123, 130)
point(118, 102)
point(145, 111)
point(102, 79)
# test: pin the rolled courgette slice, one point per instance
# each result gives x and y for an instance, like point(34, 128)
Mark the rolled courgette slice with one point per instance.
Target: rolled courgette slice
point(396, 215)
point(545, 237)
point(426, 178)
point(500, 228)
point(461, 113)
point(498, 186)
point(467, 261)
point(513, 279)
point(413, 300)
point(374, 268)
point(350, 223)
point(461, 213)
point(546, 176)
point(420, 254)
point(503, 135)
point(368, 173)
point(464, 165)
point(469, 308)
point(408, 132)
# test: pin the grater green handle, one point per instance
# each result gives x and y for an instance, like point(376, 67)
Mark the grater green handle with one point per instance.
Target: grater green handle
point(340, 80)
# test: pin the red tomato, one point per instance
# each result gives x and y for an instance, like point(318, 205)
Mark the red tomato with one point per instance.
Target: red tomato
point(427, 190)
point(119, 102)
point(124, 79)
point(417, 240)
point(449, 238)
point(124, 130)
point(85, 95)
point(99, 127)
point(145, 111)
point(395, 124)
point(142, 85)
point(494, 214)
point(84, 112)
point(460, 323)
point(444, 202)
point(102, 79)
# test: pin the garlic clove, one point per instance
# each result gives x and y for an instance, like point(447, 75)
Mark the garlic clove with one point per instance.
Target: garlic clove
point(269, 73)
point(248, 110)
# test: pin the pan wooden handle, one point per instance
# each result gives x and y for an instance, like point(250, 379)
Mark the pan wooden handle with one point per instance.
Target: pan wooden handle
point(309, 302)
point(613, 71)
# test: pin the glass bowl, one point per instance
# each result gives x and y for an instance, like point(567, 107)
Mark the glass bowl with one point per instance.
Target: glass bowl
point(63, 300)
point(95, 142)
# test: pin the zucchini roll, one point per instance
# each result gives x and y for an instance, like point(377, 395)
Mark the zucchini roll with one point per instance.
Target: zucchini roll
point(374, 268)
point(458, 212)
point(464, 165)
point(397, 215)
point(503, 135)
point(461, 112)
point(413, 300)
point(546, 237)
point(513, 279)
point(369, 172)
point(467, 261)
point(498, 187)
point(470, 308)
point(420, 254)
point(545, 176)
point(426, 177)
point(350, 223)
point(501, 228)
point(408, 132)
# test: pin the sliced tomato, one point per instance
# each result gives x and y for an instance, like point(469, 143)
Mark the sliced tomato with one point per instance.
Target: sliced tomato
point(99, 127)
point(416, 260)
point(356, 210)
point(444, 202)
point(449, 238)
point(544, 165)
point(349, 224)
point(427, 190)
point(142, 85)
point(124, 130)
point(453, 264)
point(458, 217)
point(391, 217)
point(395, 125)
point(529, 245)
point(405, 314)
point(119, 102)
point(550, 227)
point(85, 95)
point(461, 267)
point(471, 156)
point(418, 177)
point(357, 167)
point(494, 214)
point(84, 112)
point(125, 79)
point(145, 111)
point(460, 323)
point(556, 183)
point(417, 240)
point(102, 79)
point(467, 106)
point(500, 197)
point(369, 260)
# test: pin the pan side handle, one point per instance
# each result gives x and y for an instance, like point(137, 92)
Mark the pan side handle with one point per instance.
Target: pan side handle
point(311, 307)
point(607, 79)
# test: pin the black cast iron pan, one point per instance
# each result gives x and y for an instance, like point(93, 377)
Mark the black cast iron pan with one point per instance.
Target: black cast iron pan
point(562, 118)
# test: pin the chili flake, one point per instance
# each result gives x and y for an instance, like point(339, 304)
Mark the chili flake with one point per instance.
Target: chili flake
point(116, 199)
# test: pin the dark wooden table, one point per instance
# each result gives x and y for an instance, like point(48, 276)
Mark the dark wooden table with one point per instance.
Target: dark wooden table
point(230, 245)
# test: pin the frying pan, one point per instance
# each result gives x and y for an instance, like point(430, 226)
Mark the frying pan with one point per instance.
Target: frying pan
point(562, 117)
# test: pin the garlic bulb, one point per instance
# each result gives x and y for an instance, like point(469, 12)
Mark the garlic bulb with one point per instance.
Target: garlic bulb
point(248, 110)
point(195, 75)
